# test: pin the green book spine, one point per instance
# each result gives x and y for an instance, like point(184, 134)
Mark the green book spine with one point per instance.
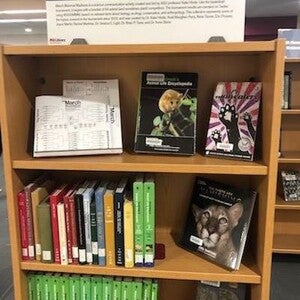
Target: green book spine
point(137, 289)
point(126, 288)
point(147, 284)
point(85, 287)
point(38, 285)
point(138, 210)
point(65, 287)
point(56, 287)
point(31, 286)
point(107, 287)
point(50, 281)
point(117, 288)
point(154, 290)
point(74, 287)
point(46, 286)
point(94, 235)
point(96, 288)
point(149, 221)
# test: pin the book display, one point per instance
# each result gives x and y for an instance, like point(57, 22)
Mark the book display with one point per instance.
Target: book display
point(287, 213)
point(179, 271)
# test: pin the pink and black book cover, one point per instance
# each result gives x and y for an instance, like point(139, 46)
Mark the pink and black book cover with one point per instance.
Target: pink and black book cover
point(233, 120)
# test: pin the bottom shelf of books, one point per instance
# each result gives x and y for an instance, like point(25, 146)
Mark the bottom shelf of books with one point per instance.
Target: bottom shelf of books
point(178, 264)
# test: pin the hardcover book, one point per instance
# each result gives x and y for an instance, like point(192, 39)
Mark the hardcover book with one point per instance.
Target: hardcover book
point(128, 232)
point(23, 225)
point(61, 220)
point(218, 221)
point(166, 119)
point(287, 86)
point(291, 185)
point(233, 120)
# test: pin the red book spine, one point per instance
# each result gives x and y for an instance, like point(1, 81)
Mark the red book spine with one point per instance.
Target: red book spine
point(74, 245)
point(54, 223)
point(23, 225)
point(68, 228)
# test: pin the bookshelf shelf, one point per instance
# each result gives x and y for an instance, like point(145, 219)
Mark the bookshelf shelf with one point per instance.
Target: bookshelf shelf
point(287, 205)
point(290, 111)
point(286, 244)
point(144, 163)
point(179, 264)
point(289, 157)
point(29, 71)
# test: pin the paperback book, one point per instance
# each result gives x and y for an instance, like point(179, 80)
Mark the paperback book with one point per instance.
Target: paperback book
point(291, 185)
point(218, 221)
point(233, 120)
point(166, 119)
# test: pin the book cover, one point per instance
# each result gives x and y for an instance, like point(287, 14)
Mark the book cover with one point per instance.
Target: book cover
point(88, 196)
point(109, 224)
point(105, 95)
point(138, 207)
point(96, 288)
point(147, 287)
point(99, 194)
point(166, 120)
point(119, 221)
point(233, 120)
point(45, 230)
point(149, 221)
point(107, 287)
point(78, 198)
point(126, 289)
point(291, 185)
point(21, 197)
point(55, 198)
point(128, 232)
point(218, 221)
point(62, 233)
point(85, 287)
point(74, 287)
point(94, 239)
point(117, 289)
point(137, 289)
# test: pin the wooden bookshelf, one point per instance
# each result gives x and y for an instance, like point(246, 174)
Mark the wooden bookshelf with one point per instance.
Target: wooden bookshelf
point(287, 215)
point(28, 71)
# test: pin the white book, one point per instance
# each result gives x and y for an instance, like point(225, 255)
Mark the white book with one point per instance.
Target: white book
point(71, 126)
point(62, 233)
point(105, 92)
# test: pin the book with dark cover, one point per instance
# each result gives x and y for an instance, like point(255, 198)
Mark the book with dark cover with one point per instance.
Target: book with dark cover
point(94, 232)
point(287, 86)
point(166, 119)
point(291, 185)
point(119, 222)
point(218, 221)
point(233, 120)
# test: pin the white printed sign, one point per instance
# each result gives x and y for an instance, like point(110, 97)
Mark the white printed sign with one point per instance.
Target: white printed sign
point(144, 21)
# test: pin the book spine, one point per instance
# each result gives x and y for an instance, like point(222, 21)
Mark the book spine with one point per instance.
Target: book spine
point(137, 289)
point(119, 228)
point(154, 290)
point(109, 229)
point(62, 234)
point(55, 232)
point(117, 289)
point(147, 287)
point(65, 287)
point(149, 223)
point(126, 289)
point(31, 286)
point(138, 206)
point(85, 287)
point(23, 225)
point(44, 223)
point(80, 228)
point(100, 228)
point(107, 287)
point(29, 224)
point(74, 245)
point(94, 233)
point(56, 287)
point(75, 287)
point(46, 287)
point(128, 233)
point(96, 288)
point(68, 228)
point(87, 227)
point(38, 285)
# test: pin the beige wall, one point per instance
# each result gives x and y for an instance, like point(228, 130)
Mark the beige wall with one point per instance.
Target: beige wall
point(22, 4)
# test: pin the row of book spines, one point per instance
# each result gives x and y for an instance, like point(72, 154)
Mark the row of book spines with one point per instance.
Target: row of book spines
point(44, 286)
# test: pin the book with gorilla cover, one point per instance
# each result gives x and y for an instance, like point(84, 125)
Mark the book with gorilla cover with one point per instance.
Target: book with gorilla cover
point(166, 118)
point(218, 221)
point(233, 120)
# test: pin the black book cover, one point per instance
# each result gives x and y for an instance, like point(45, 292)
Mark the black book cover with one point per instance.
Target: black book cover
point(218, 221)
point(119, 221)
point(166, 120)
point(291, 185)
point(94, 231)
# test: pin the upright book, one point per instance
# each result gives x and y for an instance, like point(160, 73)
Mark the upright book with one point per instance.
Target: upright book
point(166, 120)
point(218, 221)
point(128, 232)
point(233, 120)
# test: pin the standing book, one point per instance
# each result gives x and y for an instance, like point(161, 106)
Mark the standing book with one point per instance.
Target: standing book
point(62, 233)
point(23, 224)
point(166, 120)
point(218, 221)
point(94, 240)
point(233, 120)
point(128, 232)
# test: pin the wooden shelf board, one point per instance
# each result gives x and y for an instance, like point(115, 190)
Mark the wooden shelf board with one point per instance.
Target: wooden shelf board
point(288, 244)
point(130, 162)
point(71, 50)
point(292, 60)
point(292, 111)
point(287, 205)
point(179, 264)
point(289, 157)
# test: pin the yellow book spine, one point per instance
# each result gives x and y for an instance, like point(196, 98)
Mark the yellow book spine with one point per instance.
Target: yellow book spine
point(109, 227)
point(128, 233)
